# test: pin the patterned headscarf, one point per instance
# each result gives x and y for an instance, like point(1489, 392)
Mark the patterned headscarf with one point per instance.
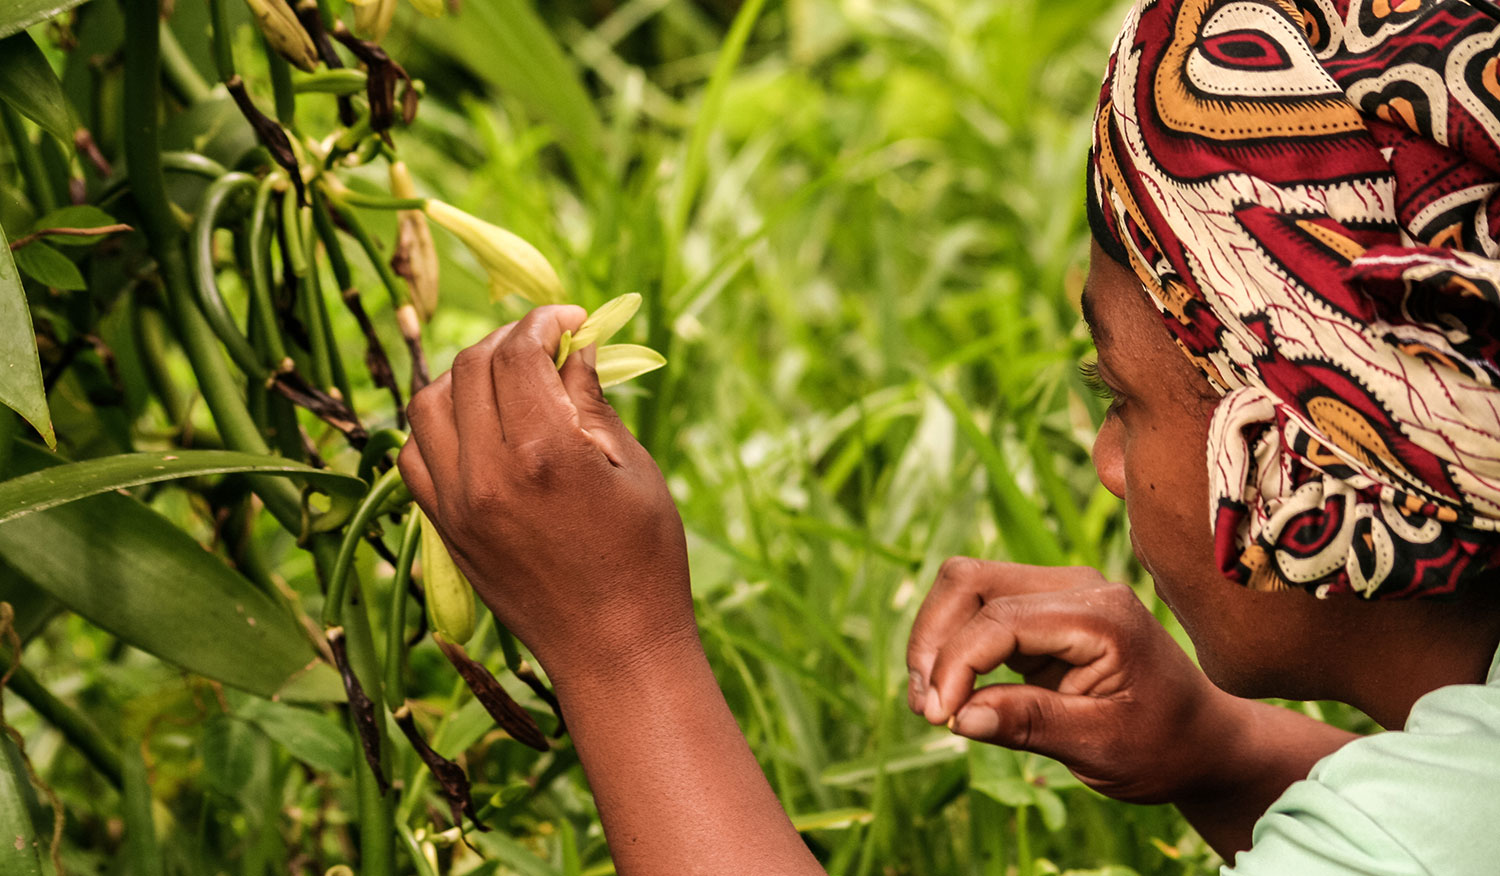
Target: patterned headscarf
point(1308, 192)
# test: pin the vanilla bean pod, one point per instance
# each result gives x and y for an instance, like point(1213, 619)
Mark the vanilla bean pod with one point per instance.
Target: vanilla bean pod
point(360, 706)
point(508, 713)
point(333, 411)
point(381, 75)
point(451, 778)
point(312, 20)
point(376, 360)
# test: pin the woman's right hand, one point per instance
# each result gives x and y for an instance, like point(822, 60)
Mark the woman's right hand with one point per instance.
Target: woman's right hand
point(1108, 692)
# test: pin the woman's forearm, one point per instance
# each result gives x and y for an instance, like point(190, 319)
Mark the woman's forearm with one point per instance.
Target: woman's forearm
point(1259, 751)
point(678, 790)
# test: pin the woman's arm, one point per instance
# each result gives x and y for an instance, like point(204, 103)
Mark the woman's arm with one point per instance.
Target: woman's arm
point(1108, 693)
point(677, 787)
point(564, 526)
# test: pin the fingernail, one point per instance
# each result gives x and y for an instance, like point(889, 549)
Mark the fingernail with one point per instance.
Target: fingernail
point(933, 708)
point(976, 722)
point(916, 692)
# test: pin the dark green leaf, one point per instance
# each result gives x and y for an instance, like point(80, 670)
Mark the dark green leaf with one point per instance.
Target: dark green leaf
point(19, 844)
point(228, 754)
point(128, 570)
point(20, 371)
point(78, 216)
point(28, 84)
point(312, 737)
point(49, 267)
point(58, 485)
point(17, 15)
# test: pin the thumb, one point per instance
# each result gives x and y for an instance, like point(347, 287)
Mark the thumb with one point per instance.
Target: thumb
point(595, 414)
point(1028, 718)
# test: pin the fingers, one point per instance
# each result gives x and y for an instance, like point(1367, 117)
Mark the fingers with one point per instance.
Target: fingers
point(418, 479)
point(533, 405)
point(1073, 628)
point(595, 414)
point(432, 426)
point(476, 410)
point(962, 588)
point(1028, 718)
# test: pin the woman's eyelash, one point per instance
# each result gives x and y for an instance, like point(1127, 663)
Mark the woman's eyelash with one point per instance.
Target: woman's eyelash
point(1088, 371)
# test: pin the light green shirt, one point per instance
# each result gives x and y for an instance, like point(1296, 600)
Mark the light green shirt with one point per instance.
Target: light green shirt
point(1425, 800)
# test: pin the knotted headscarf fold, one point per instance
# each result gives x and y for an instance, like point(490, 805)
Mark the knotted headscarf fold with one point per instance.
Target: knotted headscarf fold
point(1308, 192)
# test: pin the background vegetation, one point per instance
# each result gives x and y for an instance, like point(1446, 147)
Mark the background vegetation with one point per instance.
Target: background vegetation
point(858, 226)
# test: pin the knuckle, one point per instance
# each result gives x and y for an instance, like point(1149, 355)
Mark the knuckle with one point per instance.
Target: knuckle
point(956, 569)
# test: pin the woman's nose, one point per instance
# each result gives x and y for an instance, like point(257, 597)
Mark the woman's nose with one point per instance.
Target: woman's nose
point(1109, 456)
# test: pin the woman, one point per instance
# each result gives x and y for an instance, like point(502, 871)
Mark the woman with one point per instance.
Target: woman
point(1293, 297)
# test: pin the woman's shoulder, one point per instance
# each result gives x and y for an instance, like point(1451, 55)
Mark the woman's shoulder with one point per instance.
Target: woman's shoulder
point(1421, 800)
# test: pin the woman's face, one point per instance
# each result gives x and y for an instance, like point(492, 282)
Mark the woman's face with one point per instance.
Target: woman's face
point(1151, 452)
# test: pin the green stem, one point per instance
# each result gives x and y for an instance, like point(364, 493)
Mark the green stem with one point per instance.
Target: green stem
point(223, 48)
point(73, 726)
point(281, 87)
point(204, 272)
point(178, 70)
point(393, 285)
point(380, 202)
point(142, 139)
point(395, 625)
point(369, 508)
point(38, 181)
point(260, 270)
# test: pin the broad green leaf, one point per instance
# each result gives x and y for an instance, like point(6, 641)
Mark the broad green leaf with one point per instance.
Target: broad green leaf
point(228, 754)
point(48, 266)
point(312, 737)
point(21, 387)
point(60, 484)
point(77, 216)
point(28, 84)
point(129, 571)
point(17, 15)
point(20, 847)
point(618, 363)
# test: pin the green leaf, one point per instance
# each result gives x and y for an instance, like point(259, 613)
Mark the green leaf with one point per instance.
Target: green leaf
point(78, 216)
point(228, 754)
point(142, 849)
point(49, 267)
point(17, 15)
point(506, 44)
point(19, 844)
point(129, 571)
point(312, 737)
point(28, 84)
point(60, 484)
point(21, 387)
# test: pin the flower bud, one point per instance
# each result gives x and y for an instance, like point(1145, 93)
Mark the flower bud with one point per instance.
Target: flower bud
point(415, 259)
point(429, 8)
point(372, 18)
point(285, 33)
point(513, 265)
point(450, 599)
